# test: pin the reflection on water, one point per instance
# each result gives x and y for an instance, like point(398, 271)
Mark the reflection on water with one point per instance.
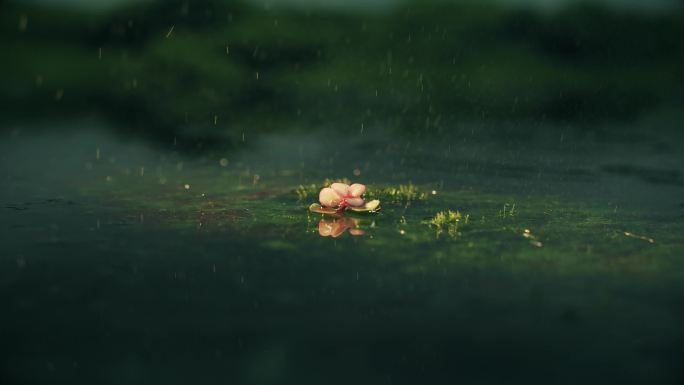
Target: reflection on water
point(334, 227)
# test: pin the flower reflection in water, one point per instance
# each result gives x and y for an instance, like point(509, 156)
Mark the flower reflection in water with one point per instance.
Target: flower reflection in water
point(335, 227)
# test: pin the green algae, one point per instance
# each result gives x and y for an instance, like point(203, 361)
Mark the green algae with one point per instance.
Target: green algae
point(534, 232)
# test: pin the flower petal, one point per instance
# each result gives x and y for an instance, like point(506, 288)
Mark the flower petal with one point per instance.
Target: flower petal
point(329, 198)
point(357, 189)
point(355, 202)
point(342, 189)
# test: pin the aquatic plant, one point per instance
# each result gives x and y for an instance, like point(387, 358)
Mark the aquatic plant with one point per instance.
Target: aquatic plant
point(342, 195)
point(508, 211)
point(449, 221)
point(402, 194)
point(339, 196)
point(305, 191)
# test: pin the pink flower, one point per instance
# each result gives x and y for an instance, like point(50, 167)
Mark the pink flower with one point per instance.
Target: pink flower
point(341, 196)
point(334, 200)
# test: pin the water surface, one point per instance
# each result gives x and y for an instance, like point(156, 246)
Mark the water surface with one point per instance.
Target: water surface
point(128, 263)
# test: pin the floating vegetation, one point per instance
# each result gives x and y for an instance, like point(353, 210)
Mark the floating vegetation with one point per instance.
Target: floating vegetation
point(342, 195)
point(402, 194)
point(508, 211)
point(368, 207)
point(339, 197)
point(304, 192)
point(449, 222)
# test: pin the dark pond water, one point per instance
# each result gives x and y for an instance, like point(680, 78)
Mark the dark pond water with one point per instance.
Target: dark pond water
point(126, 263)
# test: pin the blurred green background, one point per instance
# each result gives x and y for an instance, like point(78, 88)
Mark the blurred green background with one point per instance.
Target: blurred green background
point(211, 70)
